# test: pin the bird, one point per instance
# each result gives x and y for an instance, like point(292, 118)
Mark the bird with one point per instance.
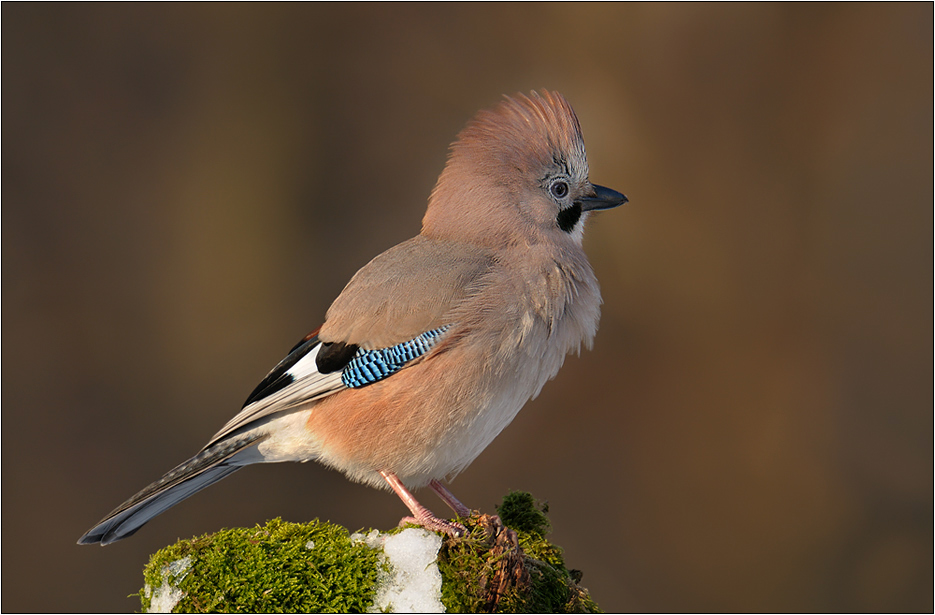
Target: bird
point(436, 344)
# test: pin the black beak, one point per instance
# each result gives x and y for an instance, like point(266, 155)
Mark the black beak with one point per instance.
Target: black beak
point(604, 198)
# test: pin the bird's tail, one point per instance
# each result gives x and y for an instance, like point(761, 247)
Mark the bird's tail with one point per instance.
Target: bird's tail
point(204, 469)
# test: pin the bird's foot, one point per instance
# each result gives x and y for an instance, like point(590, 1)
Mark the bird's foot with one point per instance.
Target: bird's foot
point(434, 524)
point(420, 514)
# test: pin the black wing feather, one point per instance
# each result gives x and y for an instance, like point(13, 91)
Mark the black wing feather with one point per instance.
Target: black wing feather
point(334, 356)
point(278, 379)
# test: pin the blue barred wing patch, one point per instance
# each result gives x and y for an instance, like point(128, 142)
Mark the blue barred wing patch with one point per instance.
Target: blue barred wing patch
point(369, 366)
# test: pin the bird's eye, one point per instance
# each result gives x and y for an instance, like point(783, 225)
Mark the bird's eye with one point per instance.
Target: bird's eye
point(559, 189)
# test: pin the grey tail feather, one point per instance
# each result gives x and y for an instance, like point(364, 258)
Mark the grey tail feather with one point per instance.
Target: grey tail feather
point(204, 469)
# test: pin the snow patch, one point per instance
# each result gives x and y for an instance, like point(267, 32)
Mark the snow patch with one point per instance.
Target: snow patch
point(167, 595)
point(413, 583)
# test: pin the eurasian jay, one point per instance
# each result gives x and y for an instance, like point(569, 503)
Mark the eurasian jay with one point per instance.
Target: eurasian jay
point(434, 346)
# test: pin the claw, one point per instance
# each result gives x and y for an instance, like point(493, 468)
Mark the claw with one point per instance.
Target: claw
point(434, 524)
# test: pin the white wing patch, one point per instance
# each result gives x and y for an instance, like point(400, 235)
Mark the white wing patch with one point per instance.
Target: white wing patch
point(308, 385)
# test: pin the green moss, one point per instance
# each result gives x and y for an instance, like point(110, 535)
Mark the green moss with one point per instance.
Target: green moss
point(519, 512)
point(461, 563)
point(552, 587)
point(272, 569)
point(269, 569)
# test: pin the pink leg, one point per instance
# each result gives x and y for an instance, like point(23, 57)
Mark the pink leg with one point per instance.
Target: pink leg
point(420, 514)
point(449, 498)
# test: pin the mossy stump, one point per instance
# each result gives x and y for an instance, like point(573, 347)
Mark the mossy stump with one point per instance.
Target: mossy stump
point(503, 565)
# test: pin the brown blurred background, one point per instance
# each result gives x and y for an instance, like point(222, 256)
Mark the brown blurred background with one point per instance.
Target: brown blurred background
point(186, 188)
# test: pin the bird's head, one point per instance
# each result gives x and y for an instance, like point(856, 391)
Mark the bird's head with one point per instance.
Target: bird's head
point(518, 173)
